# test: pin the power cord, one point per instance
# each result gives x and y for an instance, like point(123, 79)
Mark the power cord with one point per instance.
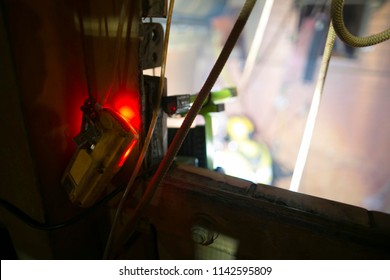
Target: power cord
point(22, 216)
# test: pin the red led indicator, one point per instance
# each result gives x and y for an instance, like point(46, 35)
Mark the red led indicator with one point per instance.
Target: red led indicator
point(127, 112)
point(127, 104)
point(173, 109)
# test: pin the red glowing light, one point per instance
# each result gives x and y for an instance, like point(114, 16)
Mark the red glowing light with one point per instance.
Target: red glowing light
point(127, 104)
point(126, 153)
point(127, 112)
point(173, 109)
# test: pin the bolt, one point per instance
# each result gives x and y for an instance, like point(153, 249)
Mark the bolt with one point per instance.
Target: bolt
point(202, 231)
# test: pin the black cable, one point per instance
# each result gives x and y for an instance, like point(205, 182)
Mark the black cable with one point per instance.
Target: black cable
point(43, 226)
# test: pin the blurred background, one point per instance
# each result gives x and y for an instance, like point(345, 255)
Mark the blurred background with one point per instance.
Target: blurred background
point(275, 76)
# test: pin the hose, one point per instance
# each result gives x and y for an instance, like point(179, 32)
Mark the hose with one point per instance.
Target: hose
point(336, 12)
point(185, 127)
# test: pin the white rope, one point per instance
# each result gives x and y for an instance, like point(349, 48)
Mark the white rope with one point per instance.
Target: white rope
point(312, 116)
point(256, 44)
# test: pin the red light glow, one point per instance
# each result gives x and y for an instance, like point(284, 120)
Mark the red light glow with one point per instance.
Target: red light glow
point(127, 104)
point(126, 153)
point(127, 112)
point(173, 109)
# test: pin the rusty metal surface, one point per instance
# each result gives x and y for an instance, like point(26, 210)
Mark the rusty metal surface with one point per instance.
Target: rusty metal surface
point(266, 222)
